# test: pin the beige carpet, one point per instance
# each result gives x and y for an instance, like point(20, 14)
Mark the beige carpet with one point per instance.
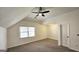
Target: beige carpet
point(46, 45)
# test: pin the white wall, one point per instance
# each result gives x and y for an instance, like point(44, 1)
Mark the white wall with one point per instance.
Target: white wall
point(71, 18)
point(14, 35)
point(52, 31)
point(3, 39)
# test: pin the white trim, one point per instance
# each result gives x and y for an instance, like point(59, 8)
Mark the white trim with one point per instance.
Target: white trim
point(59, 35)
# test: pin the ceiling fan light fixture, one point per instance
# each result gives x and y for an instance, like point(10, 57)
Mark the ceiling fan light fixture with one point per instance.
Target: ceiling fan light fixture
point(39, 14)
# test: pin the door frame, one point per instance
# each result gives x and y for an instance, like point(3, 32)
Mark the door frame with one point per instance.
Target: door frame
point(68, 35)
point(59, 35)
point(60, 30)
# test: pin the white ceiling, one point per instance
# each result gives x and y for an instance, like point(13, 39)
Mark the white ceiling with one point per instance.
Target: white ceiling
point(11, 15)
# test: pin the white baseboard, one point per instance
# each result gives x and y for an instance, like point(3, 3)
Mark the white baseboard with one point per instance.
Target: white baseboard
point(71, 48)
point(74, 49)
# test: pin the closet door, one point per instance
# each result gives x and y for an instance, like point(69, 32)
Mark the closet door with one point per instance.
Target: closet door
point(66, 35)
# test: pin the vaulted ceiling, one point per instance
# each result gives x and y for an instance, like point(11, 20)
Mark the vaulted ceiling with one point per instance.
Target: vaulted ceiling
point(11, 15)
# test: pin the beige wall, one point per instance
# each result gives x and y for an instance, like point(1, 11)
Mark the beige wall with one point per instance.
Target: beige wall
point(71, 18)
point(14, 37)
point(42, 31)
point(3, 40)
point(52, 31)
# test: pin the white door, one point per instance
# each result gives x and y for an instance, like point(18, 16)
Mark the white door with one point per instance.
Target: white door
point(66, 35)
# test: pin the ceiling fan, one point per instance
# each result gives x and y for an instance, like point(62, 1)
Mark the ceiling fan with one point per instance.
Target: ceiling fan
point(41, 11)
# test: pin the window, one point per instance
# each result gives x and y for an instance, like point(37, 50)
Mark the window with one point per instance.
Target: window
point(27, 32)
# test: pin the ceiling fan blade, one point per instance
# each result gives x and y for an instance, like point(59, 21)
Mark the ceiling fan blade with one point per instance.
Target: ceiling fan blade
point(34, 12)
point(43, 15)
point(42, 12)
point(45, 11)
